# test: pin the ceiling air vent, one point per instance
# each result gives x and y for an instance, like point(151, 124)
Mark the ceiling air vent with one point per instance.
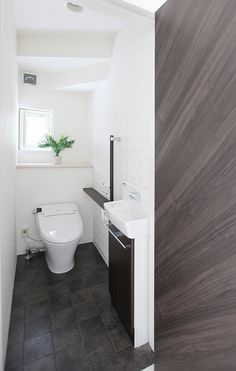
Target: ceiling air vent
point(29, 78)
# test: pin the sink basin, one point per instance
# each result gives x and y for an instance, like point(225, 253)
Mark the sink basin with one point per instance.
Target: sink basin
point(128, 217)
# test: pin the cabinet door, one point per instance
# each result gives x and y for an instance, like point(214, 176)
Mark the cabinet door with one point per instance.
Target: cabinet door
point(121, 279)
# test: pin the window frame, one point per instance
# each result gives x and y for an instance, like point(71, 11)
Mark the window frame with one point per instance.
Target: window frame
point(22, 128)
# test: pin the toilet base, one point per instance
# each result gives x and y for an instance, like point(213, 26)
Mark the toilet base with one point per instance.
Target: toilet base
point(53, 269)
point(60, 257)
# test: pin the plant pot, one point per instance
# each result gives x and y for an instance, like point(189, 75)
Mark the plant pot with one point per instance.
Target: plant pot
point(57, 160)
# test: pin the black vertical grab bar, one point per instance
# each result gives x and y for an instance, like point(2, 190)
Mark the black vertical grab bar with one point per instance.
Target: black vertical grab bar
point(111, 167)
point(112, 140)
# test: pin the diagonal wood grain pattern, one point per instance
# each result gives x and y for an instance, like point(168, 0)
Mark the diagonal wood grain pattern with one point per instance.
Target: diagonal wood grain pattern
point(195, 262)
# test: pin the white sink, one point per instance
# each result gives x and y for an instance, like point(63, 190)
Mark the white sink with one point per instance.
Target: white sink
point(128, 217)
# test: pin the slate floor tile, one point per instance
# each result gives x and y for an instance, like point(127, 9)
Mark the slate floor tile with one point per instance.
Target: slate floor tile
point(100, 291)
point(92, 327)
point(38, 347)
point(36, 310)
point(38, 260)
point(17, 317)
point(69, 359)
point(67, 337)
point(58, 302)
point(102, 278)
point(103, 301)
point(39, 283)
point(53, 278)
point(16, 334)
point(37, 326)
point(36, 277)
point(43, 364)
point(67, 321)
point(20, 276)
point(136, 359)
point(98, 346)
point(59, 288)
point(119, 338)
point(15, 356)
point(36, 295)
point(21, 262)
point(110, 319)
point(85, 311)
point(78, 282)
point(18, 301)
point(111, 363)
point(81, 296)
point(87, 266)
point(63, 318)
point(19, 288)
point(95, 279)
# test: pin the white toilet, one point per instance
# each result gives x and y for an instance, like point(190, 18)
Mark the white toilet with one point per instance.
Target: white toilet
point(60, 227)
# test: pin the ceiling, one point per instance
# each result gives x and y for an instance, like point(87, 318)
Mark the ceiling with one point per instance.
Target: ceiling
point(54, 64)
point(52, 15)
point(85, 87)
point(97, 15)
point(148, 5)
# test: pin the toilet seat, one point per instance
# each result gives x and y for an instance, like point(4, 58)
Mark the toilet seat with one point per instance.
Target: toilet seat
point(61, 228)
point(59, 237)
point(55, 234)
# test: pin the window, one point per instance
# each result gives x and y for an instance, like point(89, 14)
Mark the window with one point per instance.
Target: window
point(34, 124)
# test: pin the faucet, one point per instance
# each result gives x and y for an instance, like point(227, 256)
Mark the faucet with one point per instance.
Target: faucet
point(136, 196)
point(32, 251)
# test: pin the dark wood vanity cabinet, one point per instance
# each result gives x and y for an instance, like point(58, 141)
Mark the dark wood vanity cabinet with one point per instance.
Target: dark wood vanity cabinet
point(121, 277)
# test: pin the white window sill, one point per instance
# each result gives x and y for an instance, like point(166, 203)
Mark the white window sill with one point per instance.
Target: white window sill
point(40, 150)
point(51, 166)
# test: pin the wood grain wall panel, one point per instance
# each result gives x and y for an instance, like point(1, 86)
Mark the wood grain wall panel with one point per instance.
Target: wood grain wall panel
point(195, 260)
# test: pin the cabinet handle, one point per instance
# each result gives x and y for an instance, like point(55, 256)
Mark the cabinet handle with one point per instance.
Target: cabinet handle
point(113, 234)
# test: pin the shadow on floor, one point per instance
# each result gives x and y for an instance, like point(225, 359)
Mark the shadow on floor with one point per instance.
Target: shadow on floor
point(66, 322)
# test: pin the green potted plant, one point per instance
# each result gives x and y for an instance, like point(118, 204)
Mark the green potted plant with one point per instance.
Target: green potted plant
point(57, 145)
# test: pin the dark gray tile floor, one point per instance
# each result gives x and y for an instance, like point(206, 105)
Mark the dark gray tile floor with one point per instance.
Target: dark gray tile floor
point(66, 322)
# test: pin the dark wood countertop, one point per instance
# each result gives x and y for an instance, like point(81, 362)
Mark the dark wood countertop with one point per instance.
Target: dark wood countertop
point(96, 196)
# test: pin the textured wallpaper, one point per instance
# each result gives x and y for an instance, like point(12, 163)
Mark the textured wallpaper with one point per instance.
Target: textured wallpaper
point(124, 106)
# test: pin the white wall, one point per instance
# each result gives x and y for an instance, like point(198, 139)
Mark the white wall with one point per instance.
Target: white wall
point(8, 104)
point(71, 117)
point(124, 106)
point(48, 185)
point(75, 44)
